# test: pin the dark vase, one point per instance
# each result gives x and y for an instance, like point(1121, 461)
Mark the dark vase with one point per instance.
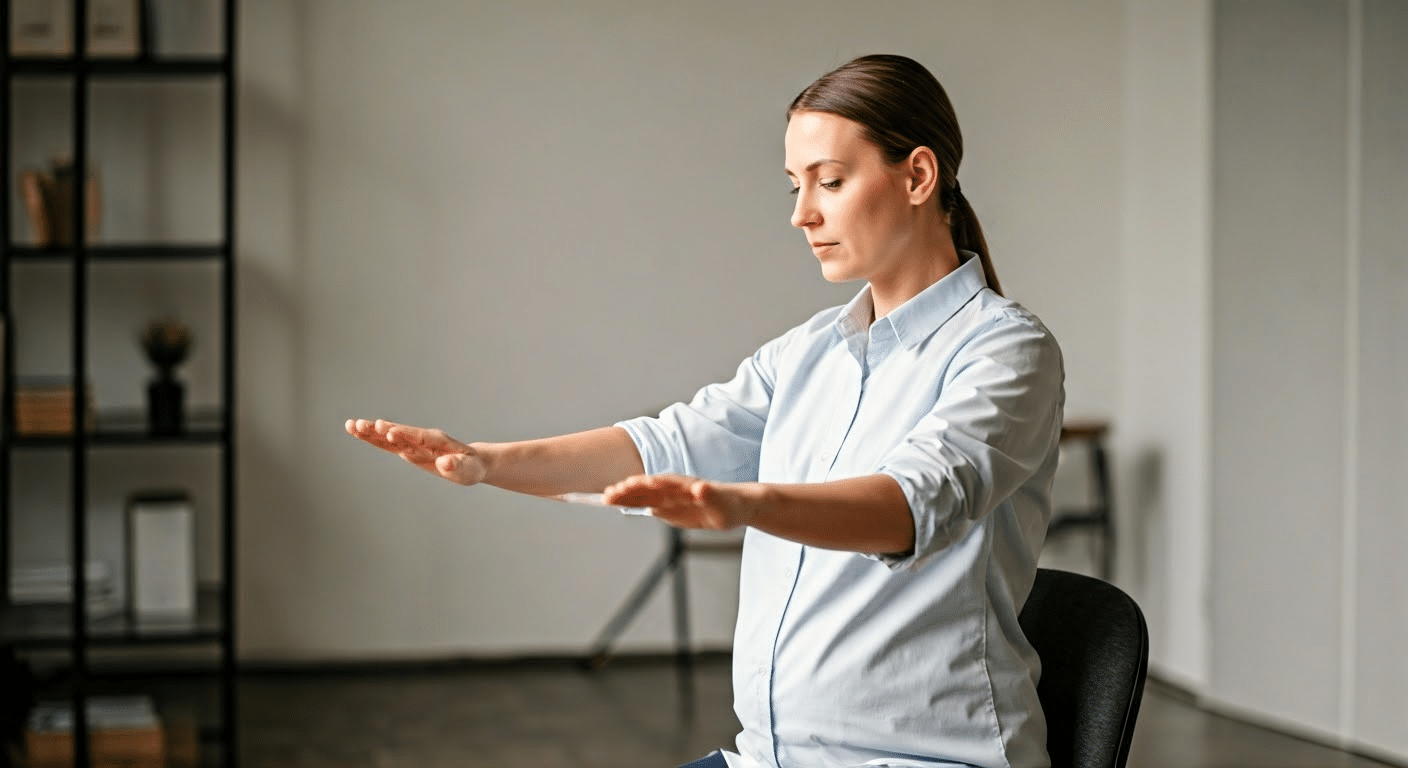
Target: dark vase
point(165, 405)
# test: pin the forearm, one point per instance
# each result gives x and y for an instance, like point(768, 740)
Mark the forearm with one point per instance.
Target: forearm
point(864, 514)
point(580, 462)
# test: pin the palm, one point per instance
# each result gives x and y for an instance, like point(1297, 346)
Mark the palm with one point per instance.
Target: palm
point(430, 449)
point(686, 502)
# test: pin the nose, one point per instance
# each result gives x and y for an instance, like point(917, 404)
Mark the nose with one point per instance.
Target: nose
point(804, 213)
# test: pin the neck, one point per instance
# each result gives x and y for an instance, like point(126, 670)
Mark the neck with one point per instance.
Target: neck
point(934, 257)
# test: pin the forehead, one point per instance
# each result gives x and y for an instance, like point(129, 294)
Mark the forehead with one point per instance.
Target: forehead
point(813, 136)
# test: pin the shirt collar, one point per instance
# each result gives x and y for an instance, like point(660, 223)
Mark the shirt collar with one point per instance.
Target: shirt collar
point(855, 316)
point(918, 318)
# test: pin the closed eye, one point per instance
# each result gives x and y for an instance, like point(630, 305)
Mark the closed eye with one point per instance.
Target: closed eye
point(834, 184)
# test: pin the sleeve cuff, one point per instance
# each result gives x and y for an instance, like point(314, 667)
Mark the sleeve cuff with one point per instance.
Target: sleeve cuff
point(919, 500)
point(654, 455)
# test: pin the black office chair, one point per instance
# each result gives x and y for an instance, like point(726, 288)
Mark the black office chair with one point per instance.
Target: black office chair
point(1094, 648)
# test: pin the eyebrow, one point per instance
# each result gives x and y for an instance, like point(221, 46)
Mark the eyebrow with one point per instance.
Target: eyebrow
point(815, 164)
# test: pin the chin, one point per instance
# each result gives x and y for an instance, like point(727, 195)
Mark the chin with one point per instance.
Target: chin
point(835, 273)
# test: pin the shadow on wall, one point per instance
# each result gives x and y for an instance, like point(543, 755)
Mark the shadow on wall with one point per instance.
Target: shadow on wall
point(272, 389)
point(1144, 518)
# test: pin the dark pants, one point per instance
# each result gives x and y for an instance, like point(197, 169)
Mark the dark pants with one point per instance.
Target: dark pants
point(713, 760)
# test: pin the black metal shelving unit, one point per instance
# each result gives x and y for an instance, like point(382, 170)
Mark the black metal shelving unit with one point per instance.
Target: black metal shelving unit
point(66, 627)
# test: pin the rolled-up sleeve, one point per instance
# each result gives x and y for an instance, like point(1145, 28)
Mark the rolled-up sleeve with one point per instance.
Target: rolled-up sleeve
point(718, 435)
point(993, 426)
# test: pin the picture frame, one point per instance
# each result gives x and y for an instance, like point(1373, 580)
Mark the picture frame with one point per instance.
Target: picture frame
point(41, 28)
point(114, 28)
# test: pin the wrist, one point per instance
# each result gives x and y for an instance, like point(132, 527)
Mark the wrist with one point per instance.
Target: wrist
point(489, 458)
point(760, 501)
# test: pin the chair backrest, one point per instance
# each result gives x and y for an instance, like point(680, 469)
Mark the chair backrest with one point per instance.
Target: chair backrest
point(1094, 648)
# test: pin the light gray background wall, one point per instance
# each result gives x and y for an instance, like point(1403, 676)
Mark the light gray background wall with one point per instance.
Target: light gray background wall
point(1376, 594)
point(525, 219)
point(520, 220)
point(1279, 309)
point(1308, 608)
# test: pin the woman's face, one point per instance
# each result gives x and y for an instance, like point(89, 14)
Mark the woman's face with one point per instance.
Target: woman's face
point(853, 206)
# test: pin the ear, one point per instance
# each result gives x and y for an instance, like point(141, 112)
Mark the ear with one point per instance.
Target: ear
point(922, 170)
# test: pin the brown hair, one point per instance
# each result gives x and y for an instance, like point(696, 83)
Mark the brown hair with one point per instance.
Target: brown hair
point(900, 106)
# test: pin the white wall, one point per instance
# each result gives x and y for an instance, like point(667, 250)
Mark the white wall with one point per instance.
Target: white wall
point(537, 217)
point(1376, 580)
point(1279, 308)
point(1162, 423)
point(1306, 602)
point(520, 220)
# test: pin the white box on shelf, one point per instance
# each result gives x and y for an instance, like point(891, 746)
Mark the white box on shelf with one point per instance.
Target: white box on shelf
point(161, 557)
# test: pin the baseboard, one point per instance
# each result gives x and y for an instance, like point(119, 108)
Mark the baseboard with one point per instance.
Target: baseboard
point(1178, 687)
point(463, 663)
point(1189, 692)
point(1296, 730)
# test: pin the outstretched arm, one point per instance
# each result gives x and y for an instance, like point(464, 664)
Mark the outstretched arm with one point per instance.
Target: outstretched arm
point(581, 462)
point(861, 514)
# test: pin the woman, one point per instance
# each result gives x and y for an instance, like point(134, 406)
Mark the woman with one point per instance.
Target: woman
point(891, 460)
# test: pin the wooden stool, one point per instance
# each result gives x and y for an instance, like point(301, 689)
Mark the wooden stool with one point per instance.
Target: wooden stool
point(1099, 514)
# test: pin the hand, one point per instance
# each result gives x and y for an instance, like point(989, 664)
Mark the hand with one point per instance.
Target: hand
point(688, 502)
point(430, 449)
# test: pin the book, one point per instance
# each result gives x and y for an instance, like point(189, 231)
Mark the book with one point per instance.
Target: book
point(49, 203)
point(122, 731)
point(52, 584)
point(44, 406)
point(36, 207)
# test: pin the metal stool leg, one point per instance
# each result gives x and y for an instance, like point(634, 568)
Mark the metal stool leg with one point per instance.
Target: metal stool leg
point(684, 657)
point(669, 560)
point(1101, 473)
point(1099, 513)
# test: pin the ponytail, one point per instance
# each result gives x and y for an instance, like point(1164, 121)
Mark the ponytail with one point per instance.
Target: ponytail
point(968, 233)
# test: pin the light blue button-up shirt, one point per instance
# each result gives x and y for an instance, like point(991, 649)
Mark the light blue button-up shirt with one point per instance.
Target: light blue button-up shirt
point(915, 659)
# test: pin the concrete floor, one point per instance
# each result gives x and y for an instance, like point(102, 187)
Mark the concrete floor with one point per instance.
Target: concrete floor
point(632, 714)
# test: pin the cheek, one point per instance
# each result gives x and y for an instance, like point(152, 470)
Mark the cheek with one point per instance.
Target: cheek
point(873, 210)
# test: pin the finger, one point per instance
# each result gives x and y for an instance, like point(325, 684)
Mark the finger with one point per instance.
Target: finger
point(631, 485)
point(432, 438)
point(401, 434)
point(652, 482)
point(367, 431)
point(363, 430)
point(390, 431)
point(655, 495)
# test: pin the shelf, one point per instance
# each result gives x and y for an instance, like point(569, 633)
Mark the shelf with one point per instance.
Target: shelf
point(126, 252)
point(128, 427)
point(206, 66)
point(51, 626)
point(47, 633)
